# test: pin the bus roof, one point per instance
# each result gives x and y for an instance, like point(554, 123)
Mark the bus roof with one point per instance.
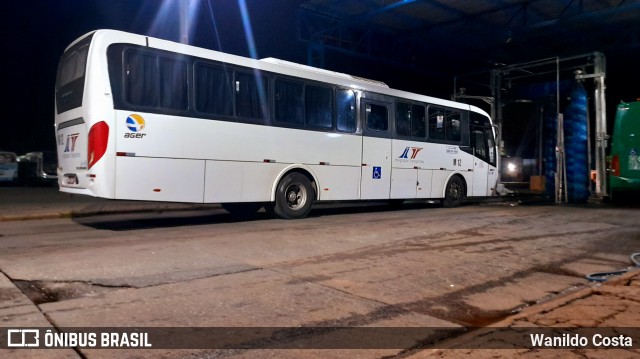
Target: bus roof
point(324, 72)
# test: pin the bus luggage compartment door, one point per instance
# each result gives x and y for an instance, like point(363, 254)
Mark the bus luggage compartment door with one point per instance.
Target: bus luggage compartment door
point(160, 179)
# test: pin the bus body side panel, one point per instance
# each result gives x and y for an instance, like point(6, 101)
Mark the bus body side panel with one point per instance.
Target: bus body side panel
point(404, 183)
point(160, 179)
point(152, 163)
point(425, 182)
point(444, 160)
point(237, 172)
point(263, 152)
point(408, 158)
point(480, 178)
point(337, 183)
point(233, 181)
point(242, 160)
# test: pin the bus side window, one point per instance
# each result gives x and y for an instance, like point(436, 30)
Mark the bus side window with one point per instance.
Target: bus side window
point(418, 122)
point(480, 144)
point(345, 111)
point(251, 97)
point(403, 119)
point(444, 124)
point(141, 80)
point(453, 127)
point(318, 107)
point(436, 123)
point(377, 117)
point(214, 90)
point(173, 84)
point(155, 81)
point(289, 102)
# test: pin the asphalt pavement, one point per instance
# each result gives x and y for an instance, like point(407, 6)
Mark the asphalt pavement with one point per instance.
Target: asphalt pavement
point(609, 309)
point(46, 202)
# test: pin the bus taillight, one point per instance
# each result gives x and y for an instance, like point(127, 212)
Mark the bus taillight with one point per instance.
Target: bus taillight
point(615, 165)
point(98, 139)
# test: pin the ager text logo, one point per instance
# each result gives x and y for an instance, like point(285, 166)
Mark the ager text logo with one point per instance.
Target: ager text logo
point(135, 124)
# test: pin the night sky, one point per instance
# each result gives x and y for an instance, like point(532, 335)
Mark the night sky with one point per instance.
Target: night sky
point(36, 32)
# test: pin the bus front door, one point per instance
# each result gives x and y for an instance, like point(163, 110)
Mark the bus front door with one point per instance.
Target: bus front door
point(485, 174)
point(480, 166)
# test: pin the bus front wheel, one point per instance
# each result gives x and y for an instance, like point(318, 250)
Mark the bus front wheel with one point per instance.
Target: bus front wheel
point(294, 197)
point(455, 192)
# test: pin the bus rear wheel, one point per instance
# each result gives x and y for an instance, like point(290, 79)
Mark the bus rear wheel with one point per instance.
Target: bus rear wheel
point(455, 192)
point(294, 197)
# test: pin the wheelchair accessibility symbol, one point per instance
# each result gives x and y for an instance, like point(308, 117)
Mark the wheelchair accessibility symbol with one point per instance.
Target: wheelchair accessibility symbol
point(377, 173)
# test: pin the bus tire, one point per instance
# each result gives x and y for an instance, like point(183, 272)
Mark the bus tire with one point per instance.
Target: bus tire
point(454, 193)
point(294, 197)
point(242, 210)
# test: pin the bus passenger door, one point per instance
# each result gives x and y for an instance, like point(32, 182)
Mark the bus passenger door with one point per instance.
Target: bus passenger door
point(485, 174)
point(480, 166)
point(492, 161)
point(376, 150)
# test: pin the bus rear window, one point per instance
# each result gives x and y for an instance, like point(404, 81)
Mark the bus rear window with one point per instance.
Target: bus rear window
point(70, 78)
point(72, 65)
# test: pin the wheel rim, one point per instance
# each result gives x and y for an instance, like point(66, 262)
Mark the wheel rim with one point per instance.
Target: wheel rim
point(296, 196)
point(455, 191)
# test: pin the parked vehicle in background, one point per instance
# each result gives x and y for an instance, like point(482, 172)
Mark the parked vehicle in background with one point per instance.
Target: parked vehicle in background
point(38, 168)
point(8, 167)
point(625, 150)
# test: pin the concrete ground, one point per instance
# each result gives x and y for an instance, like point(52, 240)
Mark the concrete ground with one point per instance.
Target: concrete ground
point(609, 309)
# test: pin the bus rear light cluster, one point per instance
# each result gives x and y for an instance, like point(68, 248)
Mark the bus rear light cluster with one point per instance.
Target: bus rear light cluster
point(97, 144)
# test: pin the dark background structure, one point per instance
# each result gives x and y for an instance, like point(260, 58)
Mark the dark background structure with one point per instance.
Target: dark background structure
point(414, 45)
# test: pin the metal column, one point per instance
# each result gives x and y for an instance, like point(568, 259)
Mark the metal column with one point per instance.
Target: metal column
point(601, 126)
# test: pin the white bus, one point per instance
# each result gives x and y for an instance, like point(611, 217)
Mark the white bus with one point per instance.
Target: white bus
point(139, 118)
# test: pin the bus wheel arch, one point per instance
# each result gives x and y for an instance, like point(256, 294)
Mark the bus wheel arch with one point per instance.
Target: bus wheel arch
point(293, 195)
point(455, 192)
